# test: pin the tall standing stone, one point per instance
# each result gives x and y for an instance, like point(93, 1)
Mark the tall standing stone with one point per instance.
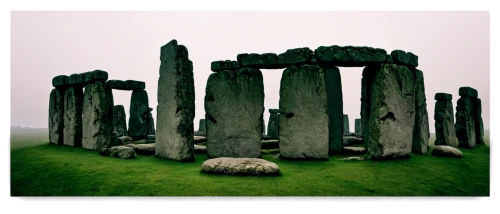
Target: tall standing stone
point(478, 122)
point(176, 108)
point(97, 116)
point(73, 106)
point(366, 85)
point(138, 116)
point(333, 85)
point(465, 126)
point(357, 128)
point(391, 101)
point(444, 120)
point(345, 127)
point(119, 121)
point(304, 109)
point(56, 115)
point(273, 124)
point(421, 129)
point(234, 106)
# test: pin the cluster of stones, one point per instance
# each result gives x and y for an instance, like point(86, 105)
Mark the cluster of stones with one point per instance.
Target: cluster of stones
point(469, 123)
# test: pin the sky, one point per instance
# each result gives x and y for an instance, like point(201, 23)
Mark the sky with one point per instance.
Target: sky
point(453, 50)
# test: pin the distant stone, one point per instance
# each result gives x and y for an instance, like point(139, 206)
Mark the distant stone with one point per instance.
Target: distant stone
point(447, 151)
point(274, 111)
point(467, 92)
point(105, 152)
point(122, 152)
point(73, 107)
point(202, 126)
point(354, 150)
point(443, 96)
point(56, 116)
point(357, 128)
point(273, 124)
point(345, 128)
point(83, 79)
point(150, 124)
point(404, 58)
point(217, 66)
point(351, 140)
point(444, 122)
point(333, 84)
point(478, 121)
point(259, 61)
point(125, 139)
point(464, 126)
point(128, 85)
point(295, 56)
point(200, 139)
point(421, 129)
point(349, 56)
point(60, 81)
point(240, 166)
point(200, 149)
point(119, 120)
point(353, 159)
point(139, 109)
point(97, 119)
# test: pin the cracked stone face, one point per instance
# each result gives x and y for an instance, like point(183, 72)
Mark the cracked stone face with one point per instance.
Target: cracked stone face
point(56, 115)
point(97, 119)
point(73, 106)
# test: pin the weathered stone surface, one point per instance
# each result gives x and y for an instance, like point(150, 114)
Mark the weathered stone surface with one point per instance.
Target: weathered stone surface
point(234, 105)
point(217, 66)
point(358, 132)
point(478, 122)
point(447, 151)
point(351, 140)
point(150, 130)
point(73, 106)
point(56, 115)
point(97, 119)
point(143, 149)
point(202, 126)
point(354, 150)
point(200, 139)
point(304, 119)
point(60, 81)
point(349, 55)
point(199, 149)
point(443, 97)
point(421, 128)
point(240, 166)
point(176, 109)
point(83, 79)
point(139, 110)
point(444, 122)
point(127, 85)
point(119, 120)
point(464, 126)
point(122, 152)
point(125, 139)
point(366, 85)
point(467, 92)
point(345, 127)
point(333, 84)
point(404, 58)
point(295, 56)
point(273, 124)
point(263, 127)
point(389, 131)
point(259, 61)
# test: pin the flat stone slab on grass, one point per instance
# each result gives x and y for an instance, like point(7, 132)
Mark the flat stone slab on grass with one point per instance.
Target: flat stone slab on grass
point(200, 149)
point(352, 159)
point(354, 150)
point(447, 151)
point(143, 149)
point(240, 166)
point(127, 85)
point(352, 140)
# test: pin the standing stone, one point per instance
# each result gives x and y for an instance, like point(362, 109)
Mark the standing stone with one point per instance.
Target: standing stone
point(119, 121)
point(421, 128)
point(304, 120)
point(263, 127)
point(150, 123)
point(478, 121)
point(73, 100)
point(56, 115)
point(97, 120)
point(176, 109)
point(357, 128)
point(444, 120)
point(234, 105)
point(139, 112)
point(345, 120)
point(202, 128)
point(464, 126)
point(366, 85)
point(333, 85)
point(273, 124)
point(391, 101)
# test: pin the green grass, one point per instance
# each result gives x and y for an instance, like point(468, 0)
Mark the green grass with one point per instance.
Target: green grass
point(41, 169)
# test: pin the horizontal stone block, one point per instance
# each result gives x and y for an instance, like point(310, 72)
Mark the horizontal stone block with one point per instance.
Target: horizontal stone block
point(86, 78)
point(404, 58)
point(467, 92)
point(224, 65)
point(295, 56)
point(259, 61)
point(126, 85)
point(349, 56)
point(443, 96)
point(61, 80)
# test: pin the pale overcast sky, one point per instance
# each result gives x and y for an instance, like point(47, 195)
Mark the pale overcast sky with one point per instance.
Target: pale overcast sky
point(453, 50)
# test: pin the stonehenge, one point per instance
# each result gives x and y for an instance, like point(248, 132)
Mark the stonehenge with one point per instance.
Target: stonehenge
point(333, 85)
point(444, 120)
point(421, 134)
point(56, 115)
point(73, 98)
point(139, 114)
point(97, 116)
point(469, 123)
point(273, 124)
point(358, 131)
point(202, 126)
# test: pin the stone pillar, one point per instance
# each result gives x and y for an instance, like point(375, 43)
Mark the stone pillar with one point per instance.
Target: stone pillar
point(234, 104)
point(263, 127)
point(358, 128)
point(273, 124)
point(150, 123)
point(73, 106)
point(176, 109)
point(333, 85)
point(421, 129)
point(444, 120)
point(97, 120)
point(56, 115)
point(304, 120)
point(345, 127)
point(202, 128)
point(465, 126)
point(391, 102)
point(119, 121)
point(366, 85)
point(478, 121)
point(139, 111)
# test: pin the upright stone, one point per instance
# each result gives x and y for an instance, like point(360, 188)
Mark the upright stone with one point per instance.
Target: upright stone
point(263, 127)
point(366, 85)
point(97, 117)
point(444, 121)
point(139, 112)
point(234, 105)
point(421, 128)
point(464, 126)
point(176, 109)
point(273, 124)
point(119, 121)
point(391, 102)
point(333, 85)
point(357, 128)
point(150, 123)
point(345, 120)
point(304, 109)
point(478, 121)
point(202, 126)
point(73, 101)
point(56, 115)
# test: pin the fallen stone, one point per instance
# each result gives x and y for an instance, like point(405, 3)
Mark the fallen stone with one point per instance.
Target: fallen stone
point(351, 140)
point(217, 66)
point(176, 109)
point(447, 151)
point(270, 144)
point(119, 120)
point(464, 126)
point(357, 128)
point(240, 166)
point(127, 85)
point(200, 139)
point(125, 139)
point(56, 115)
point(143, 149)
point(60, 81)
point(122, 152)
point(444, 122)
point(295, 56)
point(234, 104)
point(443, 97)
point(200, 149)
point(353, 159)
point(139, 110)
point(345, 127)
point(349, 56)
point(304, 113)
point(354, 150)
point(467, 92)
point(259, 61)
point(73, 106)
point(404, 58)
point(421, 129)
point(97, 119)
point(333, 84)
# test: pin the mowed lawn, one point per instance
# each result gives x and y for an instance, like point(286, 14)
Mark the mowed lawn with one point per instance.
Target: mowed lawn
point(41, 169)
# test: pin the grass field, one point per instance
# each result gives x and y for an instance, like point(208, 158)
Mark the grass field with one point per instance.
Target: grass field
point(41, 169)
